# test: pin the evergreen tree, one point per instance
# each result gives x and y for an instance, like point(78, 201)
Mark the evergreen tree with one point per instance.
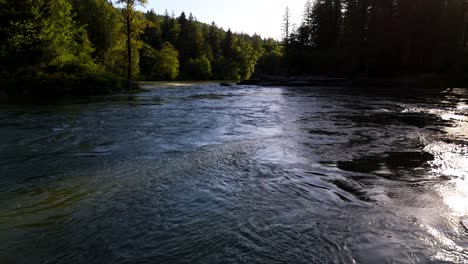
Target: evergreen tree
point(183, 41)
point(214, 40)
point(170, 29)
point(228, 48)
point(152, 34)
point(286, 25)
point(60, 39)
point(379, 38)
point(326, 23)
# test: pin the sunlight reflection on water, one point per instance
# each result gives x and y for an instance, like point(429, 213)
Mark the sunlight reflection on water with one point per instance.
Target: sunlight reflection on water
point(456, 197)
point(451, 160)
point(454, 162)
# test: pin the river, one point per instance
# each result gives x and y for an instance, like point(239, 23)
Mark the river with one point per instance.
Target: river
point(241, 174)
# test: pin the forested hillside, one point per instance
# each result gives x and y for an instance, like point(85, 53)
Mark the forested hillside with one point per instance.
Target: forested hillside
point(101, 46)
point(183, 48)
point(384, 38)
point(81, 46)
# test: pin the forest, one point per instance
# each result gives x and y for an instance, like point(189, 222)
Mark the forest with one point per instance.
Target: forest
point(103, 46)
point(378, 38)
point(86, 46)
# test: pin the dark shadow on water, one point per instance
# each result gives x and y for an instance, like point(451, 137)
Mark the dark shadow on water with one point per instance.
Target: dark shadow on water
point(389, 164)
point(399, 119)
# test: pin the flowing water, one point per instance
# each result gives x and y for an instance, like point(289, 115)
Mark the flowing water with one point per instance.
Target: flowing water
point(210, 174)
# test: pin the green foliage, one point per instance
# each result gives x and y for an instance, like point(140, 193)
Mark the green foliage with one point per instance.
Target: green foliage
point(104, 27)
point(43, 34)
point(190, 42)
point(170, 29)
point(197, 69)
point(62, 40)
point(214, 38)
point(205, 51)
point(247, 58)
point(160, 65)
point(47, 48)
point(226, 69)
point(87, 46)
point(228, 45)
point(271, 63)
point(75, 81)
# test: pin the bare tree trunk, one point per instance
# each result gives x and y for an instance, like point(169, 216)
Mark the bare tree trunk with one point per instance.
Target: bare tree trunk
point(129, 48)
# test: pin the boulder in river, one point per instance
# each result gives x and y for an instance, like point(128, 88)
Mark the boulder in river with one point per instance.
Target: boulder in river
point(225, 84)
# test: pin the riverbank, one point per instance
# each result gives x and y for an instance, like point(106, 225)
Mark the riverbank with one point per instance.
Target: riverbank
point(62, 85)
point(148, 85)
point(295, 81)
point(35, 93)
point(422, 81)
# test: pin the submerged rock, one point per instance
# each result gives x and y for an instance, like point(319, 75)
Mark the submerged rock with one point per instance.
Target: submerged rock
point(225, 84)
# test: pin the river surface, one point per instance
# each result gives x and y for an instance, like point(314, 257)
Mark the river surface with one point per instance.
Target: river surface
point(210, 174)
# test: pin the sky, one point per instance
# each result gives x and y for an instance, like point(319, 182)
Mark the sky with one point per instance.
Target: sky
point(263, 17)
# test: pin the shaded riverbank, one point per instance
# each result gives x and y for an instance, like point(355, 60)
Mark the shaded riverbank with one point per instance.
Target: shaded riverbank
point(428, 81)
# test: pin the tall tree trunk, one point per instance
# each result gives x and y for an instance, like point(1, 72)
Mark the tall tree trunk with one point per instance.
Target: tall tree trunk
point(129, 48)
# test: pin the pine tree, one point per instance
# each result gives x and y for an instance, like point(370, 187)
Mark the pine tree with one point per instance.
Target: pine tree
point(286, 26)
point(184, 37)
point(214, 40)
point(228, 44)
point(326, 23)
point(170, 29)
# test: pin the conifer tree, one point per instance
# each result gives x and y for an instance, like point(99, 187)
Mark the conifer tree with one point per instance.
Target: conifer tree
point(286, 25)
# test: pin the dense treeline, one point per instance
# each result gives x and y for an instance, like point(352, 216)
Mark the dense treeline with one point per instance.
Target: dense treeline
point(379, 38)
point(182, 48)
point(45, 47)
point(86, 46)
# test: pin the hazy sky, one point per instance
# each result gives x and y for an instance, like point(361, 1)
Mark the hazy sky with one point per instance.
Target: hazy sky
point(250, 16)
